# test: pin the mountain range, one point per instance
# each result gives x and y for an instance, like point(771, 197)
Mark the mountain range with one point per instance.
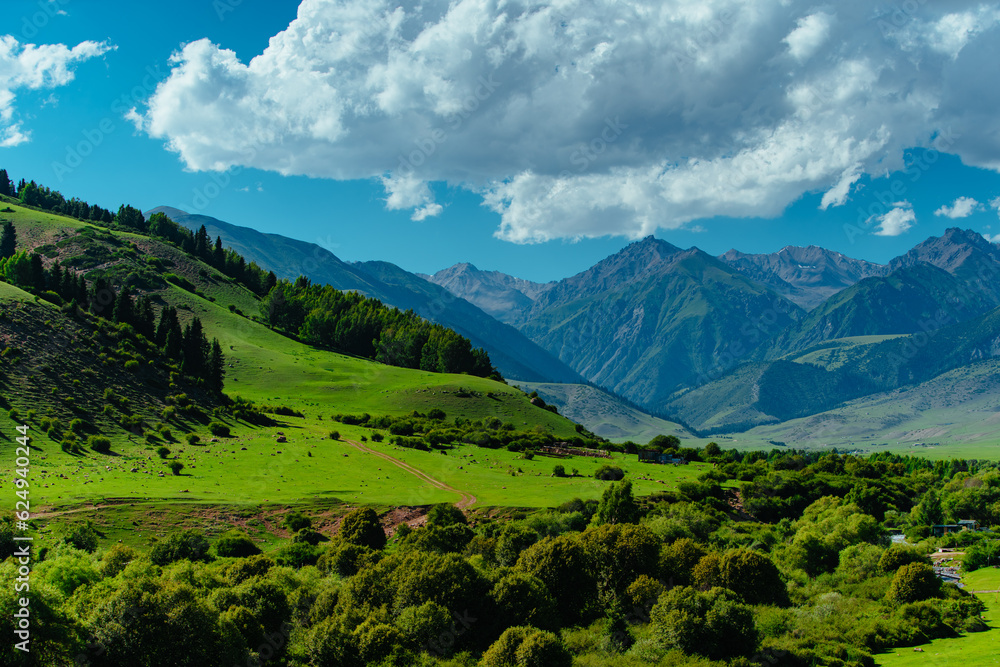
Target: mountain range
point(510, 350)
point(722, 344)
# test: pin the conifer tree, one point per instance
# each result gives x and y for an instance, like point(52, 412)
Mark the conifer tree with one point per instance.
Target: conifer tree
point(37, 272)
point(219, 255)
point(195, 349)
point(216, 367)
point(124, 311)
point(8, 240)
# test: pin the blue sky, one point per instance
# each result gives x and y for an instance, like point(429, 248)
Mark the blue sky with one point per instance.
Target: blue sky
point(418, 136)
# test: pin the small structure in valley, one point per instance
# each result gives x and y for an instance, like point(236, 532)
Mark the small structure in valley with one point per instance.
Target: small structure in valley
point(941, 529)
point(664, 458)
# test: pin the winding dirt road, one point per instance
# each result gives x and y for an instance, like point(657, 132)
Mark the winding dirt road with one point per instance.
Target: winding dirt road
point(467, 499)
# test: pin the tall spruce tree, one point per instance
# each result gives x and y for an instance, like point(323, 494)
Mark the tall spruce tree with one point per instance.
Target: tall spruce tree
point(124, 312)
point(5, 184)
point(216, 367)
point(219, 255)
point(102, 298)
point(196, 349)
point(168, 323)
point(8, 240)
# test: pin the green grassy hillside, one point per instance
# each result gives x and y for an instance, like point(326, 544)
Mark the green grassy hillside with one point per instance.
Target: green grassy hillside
point(251, 466)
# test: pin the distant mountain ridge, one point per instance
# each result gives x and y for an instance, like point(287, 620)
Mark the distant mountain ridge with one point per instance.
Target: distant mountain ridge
point(805, 275)
point(505, 297)
point(653, 318)
point(512, 353)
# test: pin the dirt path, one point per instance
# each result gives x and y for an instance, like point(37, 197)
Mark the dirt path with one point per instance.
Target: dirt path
point(467, 499)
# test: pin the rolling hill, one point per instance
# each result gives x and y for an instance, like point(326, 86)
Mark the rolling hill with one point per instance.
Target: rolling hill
point(58, 366)
point(515, 355)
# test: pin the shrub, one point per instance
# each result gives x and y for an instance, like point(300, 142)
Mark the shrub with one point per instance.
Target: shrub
point(420, 625)
point(608, 472)
point(543, 649)
point(296, 521)
point(298, 554)
point(896, 557)
point(347, 559)
point(163, 452)
point(132, 365)
point(335, 435)
point(192, 438)
point(176, 467)
point(309, 536)
point(188, 545)
point(218, 429)
point(502, 652)
point(82, 537)
point(914, 582)
point(377, 437)
point(445, 514)
point(362, 527)
point(523, 598)
point(558, 471)
point(981, 554)
point(247, 568)
point(711, 624)
point(235, 545)
point(99, 444)
point(115, 559)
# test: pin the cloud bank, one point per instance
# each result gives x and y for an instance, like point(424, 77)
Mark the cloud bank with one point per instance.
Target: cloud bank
point(962, 207)
point(897, 221)
point(575, 118)
point(33, 67)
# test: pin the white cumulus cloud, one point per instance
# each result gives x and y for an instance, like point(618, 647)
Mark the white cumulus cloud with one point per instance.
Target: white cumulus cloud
point(897, 221)
point(962, 207)
point(31, 66)
point(809, 35)
point(578, 118)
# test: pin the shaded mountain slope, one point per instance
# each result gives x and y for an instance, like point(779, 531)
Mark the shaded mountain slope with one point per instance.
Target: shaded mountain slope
point(653, 318)
point(515, 355)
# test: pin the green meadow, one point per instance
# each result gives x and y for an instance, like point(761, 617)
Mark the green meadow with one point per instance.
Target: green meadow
point(974, 648)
